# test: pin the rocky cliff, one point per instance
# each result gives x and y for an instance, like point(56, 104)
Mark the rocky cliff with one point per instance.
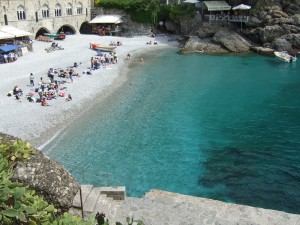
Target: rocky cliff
point(47, 177)
point(272, 23)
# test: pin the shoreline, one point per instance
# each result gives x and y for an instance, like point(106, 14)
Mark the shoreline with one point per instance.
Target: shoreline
point(40, 125)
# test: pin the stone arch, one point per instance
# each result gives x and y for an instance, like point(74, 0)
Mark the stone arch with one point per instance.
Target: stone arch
point(41, 31)
point(67, 29)
point(85, 28)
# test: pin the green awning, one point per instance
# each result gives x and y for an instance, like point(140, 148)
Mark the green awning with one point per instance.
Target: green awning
point(216, 5)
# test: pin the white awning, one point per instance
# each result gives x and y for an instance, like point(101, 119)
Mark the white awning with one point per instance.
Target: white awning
point(216, 5)
point(114, 19)
point(14, 31)
point(191, 1)
point(4, 35)
point(242, 7)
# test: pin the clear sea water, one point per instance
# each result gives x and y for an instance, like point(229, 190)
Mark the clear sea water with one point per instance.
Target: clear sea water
point(225, 127)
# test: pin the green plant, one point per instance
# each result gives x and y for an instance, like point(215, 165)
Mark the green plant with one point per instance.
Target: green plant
point(17, 151)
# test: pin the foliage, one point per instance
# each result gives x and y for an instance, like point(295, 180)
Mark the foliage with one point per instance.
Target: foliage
point(181, 10)
point(18, 151)
point(21, 205)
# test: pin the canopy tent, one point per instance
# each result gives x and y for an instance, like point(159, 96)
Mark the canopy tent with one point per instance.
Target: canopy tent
point(216, 5)
point(112, 19)
point(242, 7)
point(15, 32)
point(4, 35)
point(8, 48)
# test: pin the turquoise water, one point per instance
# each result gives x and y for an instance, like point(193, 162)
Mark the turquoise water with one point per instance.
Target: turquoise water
point(225, 127)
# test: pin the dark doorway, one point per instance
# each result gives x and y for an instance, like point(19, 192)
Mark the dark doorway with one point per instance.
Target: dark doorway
point(85, 28)
point(66, 29)
point(41, 31)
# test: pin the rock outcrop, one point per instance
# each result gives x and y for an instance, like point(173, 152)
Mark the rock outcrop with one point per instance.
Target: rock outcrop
point(274, 24)
point(216, 39)
point(47, 177)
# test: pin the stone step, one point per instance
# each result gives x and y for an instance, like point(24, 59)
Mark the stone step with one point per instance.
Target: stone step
point(85, 190)
point(91, 200)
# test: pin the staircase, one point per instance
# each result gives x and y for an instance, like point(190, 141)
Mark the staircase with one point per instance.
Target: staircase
point(105, 200)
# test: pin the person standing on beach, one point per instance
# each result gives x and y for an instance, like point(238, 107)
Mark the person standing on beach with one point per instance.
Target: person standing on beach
point(31, 78)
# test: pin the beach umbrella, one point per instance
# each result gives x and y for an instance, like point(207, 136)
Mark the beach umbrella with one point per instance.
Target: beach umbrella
point(242, 7)
point(191, 1)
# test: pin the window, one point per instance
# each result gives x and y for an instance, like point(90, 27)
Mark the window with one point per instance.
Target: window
point(79, 8)
point(21, 13)
point(57, 10)
point(45, 11)
point(69, 9)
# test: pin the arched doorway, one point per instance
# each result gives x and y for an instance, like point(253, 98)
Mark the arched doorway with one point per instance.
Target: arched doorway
point(41, 31)
point(85, 28)
point(67, 29)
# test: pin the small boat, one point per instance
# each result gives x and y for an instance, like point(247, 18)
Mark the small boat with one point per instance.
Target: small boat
point(105, 48)
point(51, 35)
point(285, 56)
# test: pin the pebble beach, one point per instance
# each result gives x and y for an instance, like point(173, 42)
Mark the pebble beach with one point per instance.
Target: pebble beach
point(39, 124)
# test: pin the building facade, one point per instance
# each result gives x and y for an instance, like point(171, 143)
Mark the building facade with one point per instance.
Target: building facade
point(52, 16)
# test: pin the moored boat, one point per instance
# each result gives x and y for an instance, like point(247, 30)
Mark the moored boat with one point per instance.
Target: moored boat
point(51, 35)
point(285, 56)
point(105, 48)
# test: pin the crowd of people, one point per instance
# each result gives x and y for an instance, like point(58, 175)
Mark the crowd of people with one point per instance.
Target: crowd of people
point(50, 88)
point(9, 57)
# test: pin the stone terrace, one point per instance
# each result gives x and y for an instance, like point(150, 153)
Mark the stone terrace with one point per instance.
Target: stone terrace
point(163, 208)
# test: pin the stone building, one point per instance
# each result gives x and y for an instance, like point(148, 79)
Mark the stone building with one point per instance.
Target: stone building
point(52, 16)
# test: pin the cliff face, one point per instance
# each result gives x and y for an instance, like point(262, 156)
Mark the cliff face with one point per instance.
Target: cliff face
point(273, 24)
point(47, 177)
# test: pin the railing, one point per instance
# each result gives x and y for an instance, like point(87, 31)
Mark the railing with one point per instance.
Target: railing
point(87, 175)
point(229, 18)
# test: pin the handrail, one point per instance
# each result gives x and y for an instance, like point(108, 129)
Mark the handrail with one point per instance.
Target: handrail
point(89, 175)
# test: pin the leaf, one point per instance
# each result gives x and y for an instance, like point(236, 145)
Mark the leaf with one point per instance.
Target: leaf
point(26, 156)
point(30, 210)
point(10, 212)
point(13, 158)
point(22, 217)
point(49, 208)
point(31, 223)
point(19, 192)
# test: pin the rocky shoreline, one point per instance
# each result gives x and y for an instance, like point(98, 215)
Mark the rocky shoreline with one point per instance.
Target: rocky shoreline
point(272, 27)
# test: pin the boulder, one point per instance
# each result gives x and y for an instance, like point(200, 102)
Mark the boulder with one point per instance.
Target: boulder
point(282, 44)
point(171, 26)
point(270, 33)
point(195, 44)
point(49, 179)
point(231, 41)
point(206, 30)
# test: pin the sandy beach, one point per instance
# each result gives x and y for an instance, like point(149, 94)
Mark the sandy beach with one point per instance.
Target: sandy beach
point(38, 124)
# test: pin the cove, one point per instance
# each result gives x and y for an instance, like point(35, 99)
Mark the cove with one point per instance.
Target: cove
point(225, 127)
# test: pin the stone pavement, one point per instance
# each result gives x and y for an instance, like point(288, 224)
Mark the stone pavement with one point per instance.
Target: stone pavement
point(165, 208)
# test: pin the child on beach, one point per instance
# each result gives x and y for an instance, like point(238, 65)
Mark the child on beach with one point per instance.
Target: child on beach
point(31, 78)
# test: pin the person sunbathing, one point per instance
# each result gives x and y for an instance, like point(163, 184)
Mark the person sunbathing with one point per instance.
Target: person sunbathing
point(44, 102)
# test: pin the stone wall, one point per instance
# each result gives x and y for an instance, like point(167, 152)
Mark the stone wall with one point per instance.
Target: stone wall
point(52, 23)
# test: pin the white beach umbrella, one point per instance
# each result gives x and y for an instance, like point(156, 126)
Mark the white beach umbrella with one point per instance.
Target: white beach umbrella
point(242, 7)
point(191, 1)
